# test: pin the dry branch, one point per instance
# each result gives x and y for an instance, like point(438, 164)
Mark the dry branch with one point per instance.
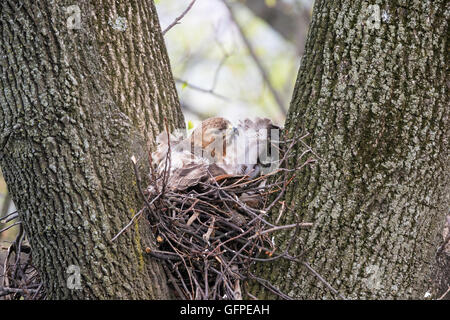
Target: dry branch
point(211, 234)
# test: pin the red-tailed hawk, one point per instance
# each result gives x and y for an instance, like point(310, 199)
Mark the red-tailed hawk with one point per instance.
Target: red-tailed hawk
point(216, 148)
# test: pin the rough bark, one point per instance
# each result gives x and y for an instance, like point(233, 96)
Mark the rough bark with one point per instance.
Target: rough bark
point(375, 100)
point(75, 104)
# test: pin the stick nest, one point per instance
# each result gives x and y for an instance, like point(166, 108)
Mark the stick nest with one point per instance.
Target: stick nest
point(211, 234)
point(19, 279)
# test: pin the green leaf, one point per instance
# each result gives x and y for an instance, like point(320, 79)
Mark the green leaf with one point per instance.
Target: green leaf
point(190, 125)
point(271, 3)
point(184, 85)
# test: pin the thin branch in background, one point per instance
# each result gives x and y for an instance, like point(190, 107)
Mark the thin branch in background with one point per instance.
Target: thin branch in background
point(177, 19)
point(219, 67)
point(257, 61)
point(225, 56)
point(194, 87)
point(211, 91)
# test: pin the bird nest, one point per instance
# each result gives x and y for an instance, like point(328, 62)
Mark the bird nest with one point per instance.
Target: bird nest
point(19, 279)
point(210, 234)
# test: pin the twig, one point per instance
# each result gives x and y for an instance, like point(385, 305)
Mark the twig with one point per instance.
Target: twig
point(177, 19)
point(256, 59)
point(9, 227)
point(10, 217)
point(197, 88)
point(6, 290)
point(318, 276)
point(37, 291)
point(211, 236)
point(277, 228)
point(270, 286)
point(446, 292)
point(173, 281)
point(219, 67)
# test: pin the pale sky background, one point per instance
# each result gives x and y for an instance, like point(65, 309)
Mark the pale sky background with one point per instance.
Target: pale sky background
point(197, 45)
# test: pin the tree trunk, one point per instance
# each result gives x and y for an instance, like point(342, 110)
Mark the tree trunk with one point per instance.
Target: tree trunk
point(372, 93)
point(78, 98)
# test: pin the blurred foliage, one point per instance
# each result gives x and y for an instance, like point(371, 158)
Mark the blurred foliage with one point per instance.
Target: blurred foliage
point(207, 52)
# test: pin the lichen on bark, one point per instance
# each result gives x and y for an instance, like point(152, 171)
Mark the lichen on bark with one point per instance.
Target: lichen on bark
point(372, 93)
point(75, 105)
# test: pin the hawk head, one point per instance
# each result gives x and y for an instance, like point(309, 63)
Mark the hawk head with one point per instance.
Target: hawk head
point(216, 148)
point(212, 137)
